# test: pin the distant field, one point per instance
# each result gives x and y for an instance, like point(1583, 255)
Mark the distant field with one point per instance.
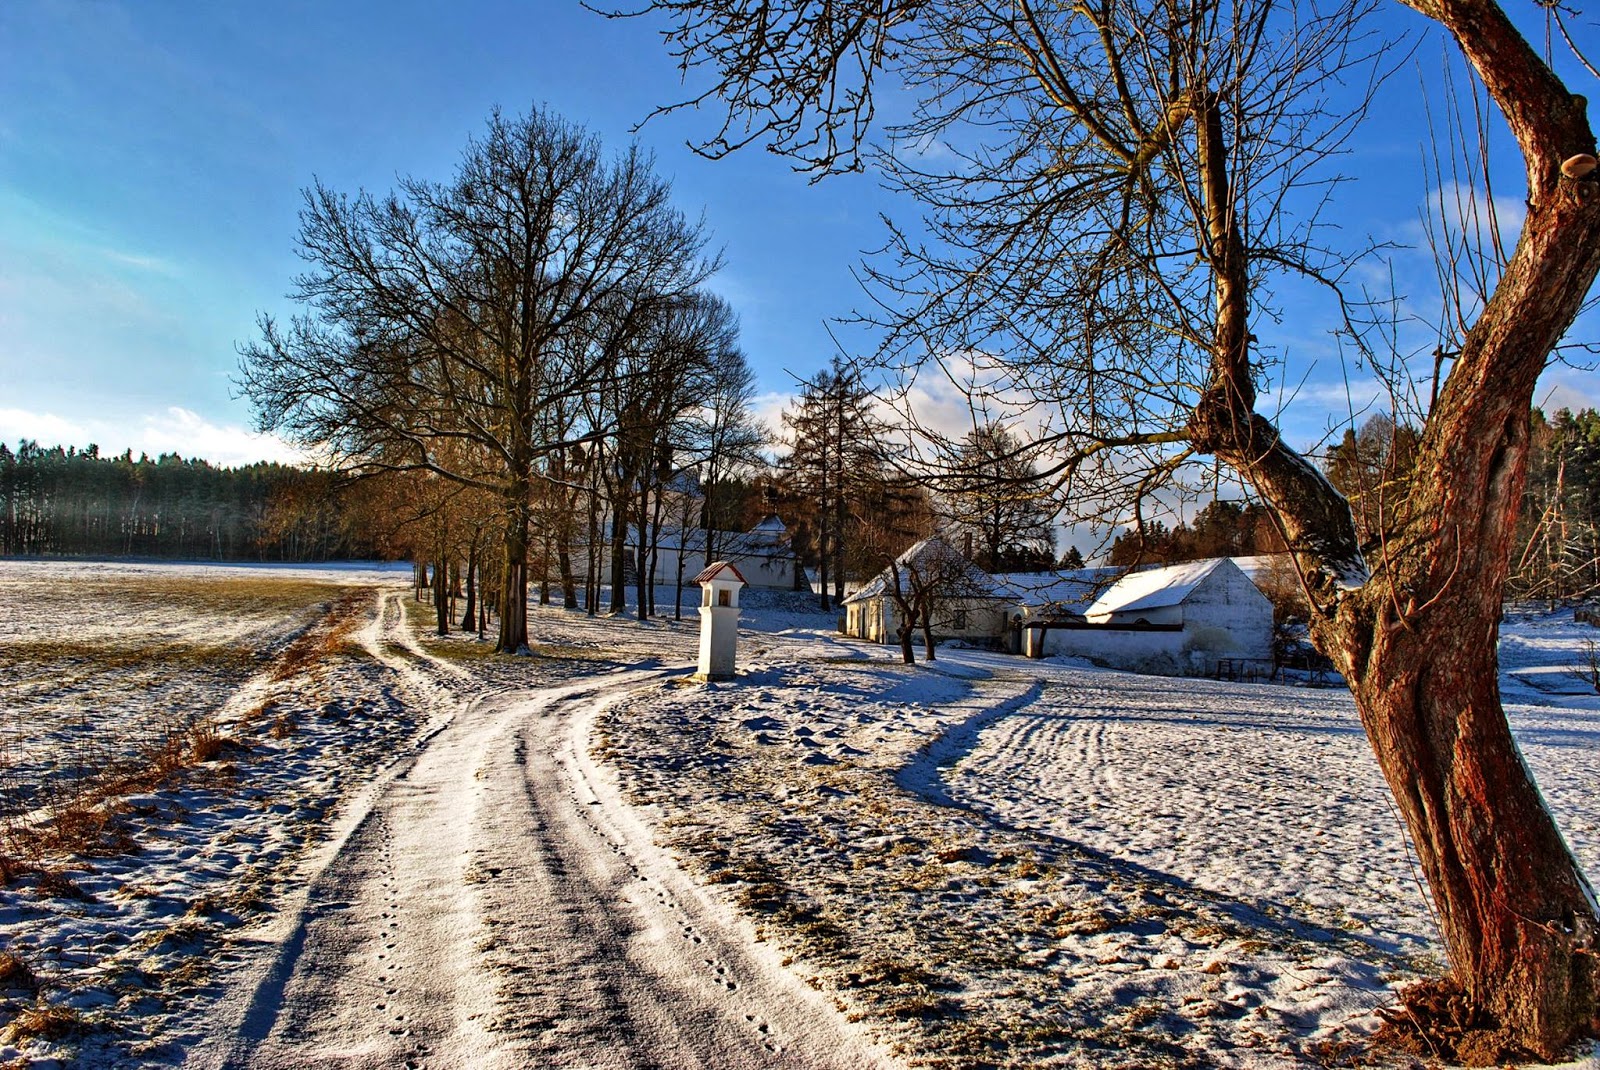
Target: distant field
point(100, 660)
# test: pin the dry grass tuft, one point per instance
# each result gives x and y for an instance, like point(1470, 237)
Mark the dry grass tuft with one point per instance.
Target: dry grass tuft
point(84, 827)
point(206, 744)
point(42, 1021)
point(54, 884)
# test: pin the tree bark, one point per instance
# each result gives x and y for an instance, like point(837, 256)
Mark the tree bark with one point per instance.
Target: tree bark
point(514, 582)
point(441, 598)
point(1416, 639)
point(472, 588)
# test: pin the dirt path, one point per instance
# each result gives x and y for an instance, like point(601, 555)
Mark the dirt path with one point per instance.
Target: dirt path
point(492, 902)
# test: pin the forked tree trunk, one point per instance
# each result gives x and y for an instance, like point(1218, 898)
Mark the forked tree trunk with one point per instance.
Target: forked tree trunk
point(1515, 913)
point(905, 632)
point(1418, 646)
point(1416, 640)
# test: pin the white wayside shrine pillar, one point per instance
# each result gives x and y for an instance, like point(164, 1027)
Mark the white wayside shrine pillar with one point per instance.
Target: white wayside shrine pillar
point(719, 620)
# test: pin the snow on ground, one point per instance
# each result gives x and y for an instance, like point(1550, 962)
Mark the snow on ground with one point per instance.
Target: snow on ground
point(1045, 864)
point(122, 928)
point(101, 659)
point(421, 855)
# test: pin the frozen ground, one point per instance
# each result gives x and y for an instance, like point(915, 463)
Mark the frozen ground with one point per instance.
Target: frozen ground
point(423, 856)
point(99, 660)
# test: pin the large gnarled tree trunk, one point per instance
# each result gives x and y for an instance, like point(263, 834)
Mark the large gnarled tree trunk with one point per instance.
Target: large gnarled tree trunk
point(1417, 640)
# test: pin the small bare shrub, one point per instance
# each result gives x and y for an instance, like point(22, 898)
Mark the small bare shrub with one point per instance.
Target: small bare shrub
point(53, 884)
point(1588, 668)
point(207, 744)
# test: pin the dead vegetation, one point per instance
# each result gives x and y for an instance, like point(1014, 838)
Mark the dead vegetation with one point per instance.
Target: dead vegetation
point(42, 1021)
point(1435, 1021)
point(118, 716)
point(16, 975)
point(79, 815)
point(330, 639)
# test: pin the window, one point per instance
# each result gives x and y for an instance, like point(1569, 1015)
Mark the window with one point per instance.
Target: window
point(722, 597)
point(959, 620)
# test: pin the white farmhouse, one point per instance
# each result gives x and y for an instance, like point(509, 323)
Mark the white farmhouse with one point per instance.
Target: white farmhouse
point(966, 602)
point(765, 555)
point(1197, 618)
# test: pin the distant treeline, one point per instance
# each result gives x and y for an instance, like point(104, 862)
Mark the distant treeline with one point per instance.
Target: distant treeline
point(71, 501)
point(1557, 553)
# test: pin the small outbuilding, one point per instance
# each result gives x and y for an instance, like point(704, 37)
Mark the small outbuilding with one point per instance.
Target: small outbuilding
point(1199, 618)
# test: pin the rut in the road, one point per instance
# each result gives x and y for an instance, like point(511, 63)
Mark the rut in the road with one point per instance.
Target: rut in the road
point(497, 905)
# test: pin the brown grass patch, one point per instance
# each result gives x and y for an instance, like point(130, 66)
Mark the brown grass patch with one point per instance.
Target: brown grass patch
point(193, 595)
point(16, 974)
point(57, 657)
point(42, 1021)
point(328, 641)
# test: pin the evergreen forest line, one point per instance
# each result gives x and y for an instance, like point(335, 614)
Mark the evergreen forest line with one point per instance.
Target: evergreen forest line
point(69, 501)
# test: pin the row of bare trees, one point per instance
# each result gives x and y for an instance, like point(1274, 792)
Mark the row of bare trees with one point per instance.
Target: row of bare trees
point(531, 343)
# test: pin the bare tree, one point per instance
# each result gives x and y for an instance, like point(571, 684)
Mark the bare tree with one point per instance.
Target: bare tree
point(1128, 178)
point(931, 585)
point(837, 455)
point(994, 494)
point(722, 439)
point(454, 314)
point(729, 439)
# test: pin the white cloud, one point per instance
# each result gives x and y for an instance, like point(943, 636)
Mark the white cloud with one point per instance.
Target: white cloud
point(768, 410)
point(154, 264)
point(173, 430)
point(1566, 388)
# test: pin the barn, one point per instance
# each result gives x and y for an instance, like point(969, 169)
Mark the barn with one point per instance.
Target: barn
point(1192, 619)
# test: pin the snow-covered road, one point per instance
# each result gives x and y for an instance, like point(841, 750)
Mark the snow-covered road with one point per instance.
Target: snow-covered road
point(494, 902)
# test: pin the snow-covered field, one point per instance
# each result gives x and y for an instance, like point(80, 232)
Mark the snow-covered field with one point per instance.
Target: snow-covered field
point(418, 855)
point(101, 660)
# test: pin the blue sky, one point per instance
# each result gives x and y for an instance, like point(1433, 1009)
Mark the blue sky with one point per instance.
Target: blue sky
point(152, 154)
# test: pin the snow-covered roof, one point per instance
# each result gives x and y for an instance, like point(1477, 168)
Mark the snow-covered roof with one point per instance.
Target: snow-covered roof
point(720, 570)
point(970, 581)
point(1258, 567)
point(770, 525)
point(729, 543)
point(1071, 588)
point(1155, 588)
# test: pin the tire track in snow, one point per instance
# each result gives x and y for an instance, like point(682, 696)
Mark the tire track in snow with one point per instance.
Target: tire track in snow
point(1199, 786)
point(491, 902)
point(634, 965)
